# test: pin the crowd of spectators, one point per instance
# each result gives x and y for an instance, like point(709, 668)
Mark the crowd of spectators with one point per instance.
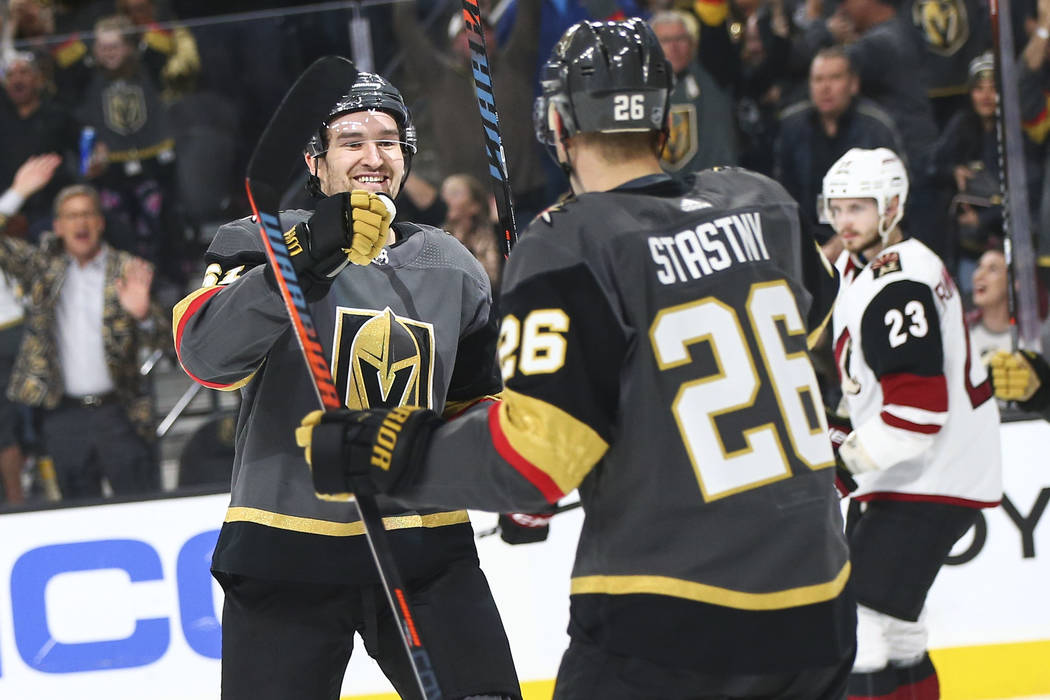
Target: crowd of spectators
point(156, 105)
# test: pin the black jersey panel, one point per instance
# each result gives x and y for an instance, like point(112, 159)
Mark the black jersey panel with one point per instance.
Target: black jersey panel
point(476, 372)
point(901, 331)
point(251, 549)
point(576, 369)
point(722, 640)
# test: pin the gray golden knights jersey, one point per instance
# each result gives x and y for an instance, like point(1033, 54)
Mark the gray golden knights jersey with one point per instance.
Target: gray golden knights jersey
point(412, 328)
point(654, 354)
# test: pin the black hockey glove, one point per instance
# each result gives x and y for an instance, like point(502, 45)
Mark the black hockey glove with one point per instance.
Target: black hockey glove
point(346, 227)
point(839, 428)
point(378, 449)
point(525, 528)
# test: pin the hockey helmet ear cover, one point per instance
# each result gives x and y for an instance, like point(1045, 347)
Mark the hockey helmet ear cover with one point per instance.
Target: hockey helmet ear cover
point(604, 77)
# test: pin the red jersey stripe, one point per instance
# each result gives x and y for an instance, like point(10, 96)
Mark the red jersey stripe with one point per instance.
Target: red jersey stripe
point(904, 389)
point(191, 309)
point(896, 422)
point(535, 476)
point(926, 498)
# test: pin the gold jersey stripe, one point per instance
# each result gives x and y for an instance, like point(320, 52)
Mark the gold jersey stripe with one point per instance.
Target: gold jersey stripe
point(142, 153)
point(314, 526)
point(454, 408)
point(178, 312)
point(703, 593)
point(814, 336)
point(182, 306)
point(553, 441)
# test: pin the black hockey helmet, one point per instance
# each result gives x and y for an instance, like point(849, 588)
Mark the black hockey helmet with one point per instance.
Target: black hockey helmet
point(370, 91)
point(604, 76)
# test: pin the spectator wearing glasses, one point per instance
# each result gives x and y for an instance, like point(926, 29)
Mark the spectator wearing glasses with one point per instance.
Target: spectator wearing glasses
point(88, 317)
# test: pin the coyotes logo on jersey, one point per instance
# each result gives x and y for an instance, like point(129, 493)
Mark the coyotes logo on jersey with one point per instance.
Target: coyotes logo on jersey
point(885, 264)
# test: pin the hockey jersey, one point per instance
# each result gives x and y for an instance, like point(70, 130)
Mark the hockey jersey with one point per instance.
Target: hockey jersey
point(654, 351)
point(412, 328)
point(918, 396)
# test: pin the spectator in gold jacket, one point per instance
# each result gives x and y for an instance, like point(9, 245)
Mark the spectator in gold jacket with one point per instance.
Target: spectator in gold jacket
point(88, 316)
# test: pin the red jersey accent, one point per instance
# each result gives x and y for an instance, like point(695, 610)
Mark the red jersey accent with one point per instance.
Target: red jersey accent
point(905, 389)
point(537, 477)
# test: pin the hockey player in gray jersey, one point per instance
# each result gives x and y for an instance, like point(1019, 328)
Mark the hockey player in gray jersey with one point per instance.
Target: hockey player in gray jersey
point(409, 323)
point(654, 351)
point(924, 448)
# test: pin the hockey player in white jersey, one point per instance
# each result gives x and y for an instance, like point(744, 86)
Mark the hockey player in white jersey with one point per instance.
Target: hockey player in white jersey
point(924, 448)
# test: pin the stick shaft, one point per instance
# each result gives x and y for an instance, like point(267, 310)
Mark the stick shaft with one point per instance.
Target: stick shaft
point(490, 122)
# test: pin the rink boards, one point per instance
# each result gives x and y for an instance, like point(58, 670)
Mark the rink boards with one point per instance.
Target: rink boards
point(115, 602)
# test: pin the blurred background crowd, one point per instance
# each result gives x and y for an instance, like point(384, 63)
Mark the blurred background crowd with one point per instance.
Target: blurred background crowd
point(157, 104)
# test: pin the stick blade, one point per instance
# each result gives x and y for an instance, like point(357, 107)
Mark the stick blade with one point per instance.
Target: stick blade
point(304, 107)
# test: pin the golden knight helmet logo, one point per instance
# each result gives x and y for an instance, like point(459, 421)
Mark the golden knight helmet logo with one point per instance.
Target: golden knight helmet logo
point(385, 364)
point(944, 24)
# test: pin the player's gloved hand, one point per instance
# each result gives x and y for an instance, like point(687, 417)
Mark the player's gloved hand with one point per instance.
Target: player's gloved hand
point(1020, 376)
point(371, 217)
point(318, 247)
point(839, 428)
point(524, 528)
point(378, 449)
point(854, 457)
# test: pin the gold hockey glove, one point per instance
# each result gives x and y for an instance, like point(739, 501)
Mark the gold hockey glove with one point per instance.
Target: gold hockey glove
point(1013, 376)
point(378, 449)
point(1022, 376)
point(371, 226)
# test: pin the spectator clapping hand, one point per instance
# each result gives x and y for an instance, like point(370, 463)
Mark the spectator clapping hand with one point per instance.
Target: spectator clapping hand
point(133, 288)
point(36, 172)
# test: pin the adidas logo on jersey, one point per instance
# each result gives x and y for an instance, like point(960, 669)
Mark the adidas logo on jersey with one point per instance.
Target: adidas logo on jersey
point(694, 204)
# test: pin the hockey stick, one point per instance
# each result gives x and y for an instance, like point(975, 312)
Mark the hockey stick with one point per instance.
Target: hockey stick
point(1017, 243)
point(304, 107)
point(490, 122)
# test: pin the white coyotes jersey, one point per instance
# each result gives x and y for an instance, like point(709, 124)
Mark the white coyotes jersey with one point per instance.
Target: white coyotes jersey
point(918, 396)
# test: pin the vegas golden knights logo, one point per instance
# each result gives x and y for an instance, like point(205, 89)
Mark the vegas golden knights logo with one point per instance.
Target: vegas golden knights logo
point(382, 360)
point(682, 142)
point(124, 107)
point(944, 24)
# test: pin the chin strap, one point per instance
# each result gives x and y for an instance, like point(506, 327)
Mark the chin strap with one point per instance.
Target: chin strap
point(313, 183)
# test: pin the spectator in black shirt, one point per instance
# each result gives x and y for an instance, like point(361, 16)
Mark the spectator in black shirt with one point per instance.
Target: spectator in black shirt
point(966, 159)
point(817, 132)
point(887, 53)
point(31, 124)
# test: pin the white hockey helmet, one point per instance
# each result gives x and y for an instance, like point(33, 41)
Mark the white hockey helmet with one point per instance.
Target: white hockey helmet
point(864, 173)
